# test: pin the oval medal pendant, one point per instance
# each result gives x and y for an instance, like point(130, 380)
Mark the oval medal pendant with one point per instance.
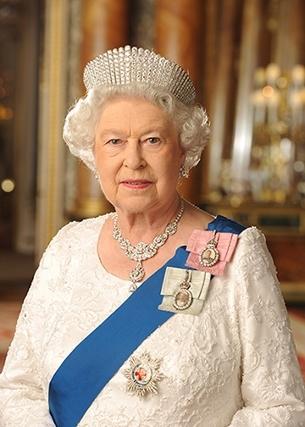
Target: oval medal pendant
point(183, 299)
point(209, 256)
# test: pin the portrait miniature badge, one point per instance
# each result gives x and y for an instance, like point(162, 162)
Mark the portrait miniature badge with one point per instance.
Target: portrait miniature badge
point(210, 251)
point(210, 254)
point(183, 296)
point(184, 291)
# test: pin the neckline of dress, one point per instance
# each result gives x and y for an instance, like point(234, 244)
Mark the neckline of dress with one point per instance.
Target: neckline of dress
point(113, 277)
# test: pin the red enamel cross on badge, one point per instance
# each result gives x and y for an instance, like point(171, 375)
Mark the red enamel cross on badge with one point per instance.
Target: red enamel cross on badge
point(143, 375)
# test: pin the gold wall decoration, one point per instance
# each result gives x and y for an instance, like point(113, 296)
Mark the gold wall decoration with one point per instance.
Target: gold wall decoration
point(264, 33)
point(25, 129)
point(142, 28)
point(177, 36)
point(277, 169)
point(74, 91)
point(242, 139)
point(19, 35)
point(50, 197)
point(219, 97)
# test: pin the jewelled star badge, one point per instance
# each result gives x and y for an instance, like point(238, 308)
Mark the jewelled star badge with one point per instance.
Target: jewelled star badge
point(143, 375)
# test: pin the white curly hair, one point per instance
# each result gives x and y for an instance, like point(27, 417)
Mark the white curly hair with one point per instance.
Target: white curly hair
point(191, 121)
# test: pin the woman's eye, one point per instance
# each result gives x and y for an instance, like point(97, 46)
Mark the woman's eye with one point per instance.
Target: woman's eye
point(114, 141)
point(153, 140)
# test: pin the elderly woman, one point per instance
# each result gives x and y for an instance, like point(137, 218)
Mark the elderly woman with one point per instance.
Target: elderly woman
point(158, 314)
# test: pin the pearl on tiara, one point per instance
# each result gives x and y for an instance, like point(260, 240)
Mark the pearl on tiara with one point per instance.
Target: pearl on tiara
point(128, 65)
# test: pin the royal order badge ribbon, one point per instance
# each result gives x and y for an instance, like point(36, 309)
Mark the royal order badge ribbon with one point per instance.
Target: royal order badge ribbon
point(184, 290)
point(210, 251)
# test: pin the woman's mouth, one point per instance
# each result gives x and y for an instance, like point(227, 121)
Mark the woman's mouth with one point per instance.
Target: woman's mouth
point(136, 184)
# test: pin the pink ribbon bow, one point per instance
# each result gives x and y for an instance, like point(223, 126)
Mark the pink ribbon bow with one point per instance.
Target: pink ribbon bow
point(197, 243)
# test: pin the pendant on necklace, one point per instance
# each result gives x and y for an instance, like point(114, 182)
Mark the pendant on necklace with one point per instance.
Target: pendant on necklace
point(143, 375)
point(143, 251)
point(136, 275)
point(210, 254)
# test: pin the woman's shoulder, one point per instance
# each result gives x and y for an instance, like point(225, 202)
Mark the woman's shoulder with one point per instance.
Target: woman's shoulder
point(247, 236)
point(252, 261)
point(73, 236)
point(252, 240)
point(72, 239)
point(76, 229)
point(250, 253)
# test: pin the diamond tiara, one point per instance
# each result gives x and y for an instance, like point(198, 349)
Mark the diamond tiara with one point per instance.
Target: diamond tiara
point(128, 65)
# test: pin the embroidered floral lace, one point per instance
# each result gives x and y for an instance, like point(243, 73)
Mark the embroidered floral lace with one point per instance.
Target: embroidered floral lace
point(233, 365)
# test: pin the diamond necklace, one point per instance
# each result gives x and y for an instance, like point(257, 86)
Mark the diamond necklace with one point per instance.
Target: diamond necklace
point(143, 251)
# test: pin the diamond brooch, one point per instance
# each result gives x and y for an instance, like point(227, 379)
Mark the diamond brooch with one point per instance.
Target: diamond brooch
point(143, 375)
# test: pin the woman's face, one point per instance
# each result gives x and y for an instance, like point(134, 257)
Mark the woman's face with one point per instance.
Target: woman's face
point(137, 154)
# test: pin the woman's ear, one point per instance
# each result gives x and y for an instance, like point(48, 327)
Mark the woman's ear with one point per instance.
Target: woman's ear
point(183, 157)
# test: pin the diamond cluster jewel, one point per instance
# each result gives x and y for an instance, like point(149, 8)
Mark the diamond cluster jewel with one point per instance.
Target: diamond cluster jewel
point(128, 65)
point(143, 375)
point(143, 251)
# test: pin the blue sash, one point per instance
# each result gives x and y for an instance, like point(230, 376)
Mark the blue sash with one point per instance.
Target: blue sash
point(89, 367)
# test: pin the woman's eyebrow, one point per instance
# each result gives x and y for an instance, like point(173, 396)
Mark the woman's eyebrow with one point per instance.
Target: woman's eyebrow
point(148, 131)
point(111, 132)
point(154, 128)
point(118, 133)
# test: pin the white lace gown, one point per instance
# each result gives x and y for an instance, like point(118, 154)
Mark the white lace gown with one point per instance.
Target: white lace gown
point(233, 365)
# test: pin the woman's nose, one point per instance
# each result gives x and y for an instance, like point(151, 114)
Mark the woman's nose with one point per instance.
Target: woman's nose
point(133, 155)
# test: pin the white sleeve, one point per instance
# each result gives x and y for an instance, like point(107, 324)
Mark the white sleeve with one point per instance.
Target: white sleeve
point(23, 393)
point(272, 386)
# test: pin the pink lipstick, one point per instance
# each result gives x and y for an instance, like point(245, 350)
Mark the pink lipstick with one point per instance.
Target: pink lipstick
point(136, 184)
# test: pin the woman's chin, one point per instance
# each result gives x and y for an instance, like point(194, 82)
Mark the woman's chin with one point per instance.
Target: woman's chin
point(134, 204)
